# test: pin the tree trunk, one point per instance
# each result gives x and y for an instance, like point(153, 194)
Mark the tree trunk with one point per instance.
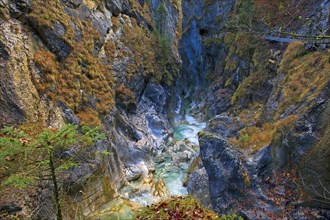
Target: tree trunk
point(55, 189)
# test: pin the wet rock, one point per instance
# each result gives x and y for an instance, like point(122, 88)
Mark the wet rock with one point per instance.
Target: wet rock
point(156, 125)
point(223, 165)
point(184, 156)
point(180, 152)
point(137, 171)
point(181, 146)
point(128, 151)
point(198, 21)
point(135, 142)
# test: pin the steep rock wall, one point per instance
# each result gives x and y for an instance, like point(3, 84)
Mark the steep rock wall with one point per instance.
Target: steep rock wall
point(256, 92)
point(94, 63)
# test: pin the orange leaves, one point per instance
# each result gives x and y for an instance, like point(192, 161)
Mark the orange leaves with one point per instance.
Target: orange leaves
point(176, 208)
point(24, 141)
point(89, 117)
point(46, 60)
point(257, 137)
point(284, 191)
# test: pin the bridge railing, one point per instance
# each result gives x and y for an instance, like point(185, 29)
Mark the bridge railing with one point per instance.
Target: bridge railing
point(283, 37)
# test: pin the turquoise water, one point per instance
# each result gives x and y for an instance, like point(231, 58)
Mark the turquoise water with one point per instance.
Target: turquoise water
point(173, 174)
point(188, 129)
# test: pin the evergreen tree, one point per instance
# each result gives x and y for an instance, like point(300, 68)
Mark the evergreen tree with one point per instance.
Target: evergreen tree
point(39, 155)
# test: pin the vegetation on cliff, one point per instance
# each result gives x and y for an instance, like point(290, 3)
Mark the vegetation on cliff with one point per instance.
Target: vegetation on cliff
point(150, 54)
point(41, 155)
point(99, 72)
point(255, 69)
point(81, 79)
point(180, 208)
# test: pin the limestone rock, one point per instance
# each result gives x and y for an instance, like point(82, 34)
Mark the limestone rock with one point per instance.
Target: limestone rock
point(19, 99)
point(115, 6)
point(198, 185)
point(3, 3)
point(223, 165)
point(19, 7)
point(53, 38)
point(73, 3)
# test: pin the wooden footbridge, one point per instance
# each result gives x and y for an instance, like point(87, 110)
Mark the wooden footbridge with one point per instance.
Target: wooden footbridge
point(283, 37)
point(309, 42)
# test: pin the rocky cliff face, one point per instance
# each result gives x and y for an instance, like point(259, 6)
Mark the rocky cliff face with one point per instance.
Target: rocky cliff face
point(93, 63)
point(126, 65)
point(201, 19)
point(259, 96)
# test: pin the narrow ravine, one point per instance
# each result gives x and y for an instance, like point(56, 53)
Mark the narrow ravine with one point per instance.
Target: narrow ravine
point(172, 165)
point(172, 173)
point(170, 169)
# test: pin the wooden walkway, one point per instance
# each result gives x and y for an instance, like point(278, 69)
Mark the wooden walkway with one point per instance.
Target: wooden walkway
point(309, 41)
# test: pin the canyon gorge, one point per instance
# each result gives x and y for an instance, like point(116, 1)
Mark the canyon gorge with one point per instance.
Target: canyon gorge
point(224, 100)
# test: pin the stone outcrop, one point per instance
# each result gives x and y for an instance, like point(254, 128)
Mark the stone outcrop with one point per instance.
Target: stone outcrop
point(225, 170)
point(19, 99)
point(76, 39)
point(97, 62)
point(246, 82)
point(304, 147)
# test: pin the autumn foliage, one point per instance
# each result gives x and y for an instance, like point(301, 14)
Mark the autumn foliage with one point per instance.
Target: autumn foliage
point(176, 208)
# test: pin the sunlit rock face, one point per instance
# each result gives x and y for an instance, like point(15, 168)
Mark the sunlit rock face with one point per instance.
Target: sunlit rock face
point(68, 62)
point(201, 20)
point(264, 104)
point(245, 84)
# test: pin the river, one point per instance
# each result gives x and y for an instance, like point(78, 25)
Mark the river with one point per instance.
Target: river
point(186, 130)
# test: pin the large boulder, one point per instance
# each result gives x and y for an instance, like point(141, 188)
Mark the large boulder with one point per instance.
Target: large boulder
point(198, 185)
point(225, 170)
point(225, 126)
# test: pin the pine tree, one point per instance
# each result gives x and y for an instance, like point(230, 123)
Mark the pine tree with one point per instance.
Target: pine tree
point(38, 155)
